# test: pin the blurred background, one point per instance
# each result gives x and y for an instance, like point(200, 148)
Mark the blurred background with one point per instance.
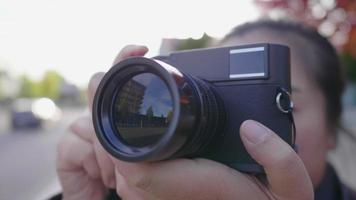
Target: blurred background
point(50, 49)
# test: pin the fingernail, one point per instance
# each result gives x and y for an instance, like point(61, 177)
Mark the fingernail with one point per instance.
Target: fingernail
point(254, 132)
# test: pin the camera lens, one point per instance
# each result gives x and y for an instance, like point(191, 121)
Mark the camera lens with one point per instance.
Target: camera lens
point(143, 110)
point(146, 110)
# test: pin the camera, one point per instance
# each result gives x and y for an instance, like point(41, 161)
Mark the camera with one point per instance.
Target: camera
point(191, 104)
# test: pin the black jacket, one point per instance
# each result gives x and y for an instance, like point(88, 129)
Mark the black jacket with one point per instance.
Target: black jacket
point(332, 188)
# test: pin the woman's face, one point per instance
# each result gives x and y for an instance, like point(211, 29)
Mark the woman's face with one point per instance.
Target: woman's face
point(314, 138)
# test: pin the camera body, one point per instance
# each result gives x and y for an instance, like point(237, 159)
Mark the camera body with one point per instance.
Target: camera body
point(240, 83)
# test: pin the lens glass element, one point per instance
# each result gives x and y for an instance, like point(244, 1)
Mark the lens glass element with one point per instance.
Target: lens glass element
point(143, 110)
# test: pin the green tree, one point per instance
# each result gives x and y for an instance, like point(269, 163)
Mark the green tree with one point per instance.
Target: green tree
point(191, 43)
point(150, 113)
point(350, 65)
point(26, 87)
point(50, 84)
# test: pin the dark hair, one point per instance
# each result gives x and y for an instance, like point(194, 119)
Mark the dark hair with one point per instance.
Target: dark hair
point(319, 56)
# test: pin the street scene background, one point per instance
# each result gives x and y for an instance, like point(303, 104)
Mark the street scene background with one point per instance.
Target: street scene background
point(49, 52)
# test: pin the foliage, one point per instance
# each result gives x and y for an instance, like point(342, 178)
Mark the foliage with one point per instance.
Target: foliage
point(191, 43)
point(48, 86)
point(51, 83)
point(334, 19)
point(26, 89)
point(150, 113)
point(350, 65)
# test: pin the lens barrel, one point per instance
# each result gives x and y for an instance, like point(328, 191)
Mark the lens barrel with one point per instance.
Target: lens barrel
point(147, 110)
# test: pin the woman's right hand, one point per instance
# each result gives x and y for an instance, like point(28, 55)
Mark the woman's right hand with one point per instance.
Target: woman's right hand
point(85, 169)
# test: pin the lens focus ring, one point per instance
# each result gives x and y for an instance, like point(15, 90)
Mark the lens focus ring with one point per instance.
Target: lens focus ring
point(211, 116)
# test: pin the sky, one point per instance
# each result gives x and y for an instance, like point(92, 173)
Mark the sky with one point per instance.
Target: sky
point(80, 37)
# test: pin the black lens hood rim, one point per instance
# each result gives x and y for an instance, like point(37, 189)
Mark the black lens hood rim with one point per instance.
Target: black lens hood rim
point(168, 144)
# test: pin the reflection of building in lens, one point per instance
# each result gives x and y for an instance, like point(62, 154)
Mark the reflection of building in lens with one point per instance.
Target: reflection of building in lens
point(130, 97)
point(142, 120)
point(128, 112)
point(136, 119)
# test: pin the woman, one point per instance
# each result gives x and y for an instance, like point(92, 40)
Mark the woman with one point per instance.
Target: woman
point(86, 170)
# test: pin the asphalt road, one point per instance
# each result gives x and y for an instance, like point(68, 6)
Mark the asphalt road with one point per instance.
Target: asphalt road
point(27, 161)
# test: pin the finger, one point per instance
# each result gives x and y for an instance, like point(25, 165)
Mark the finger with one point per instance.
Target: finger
point(126, 191)
point(75, 154)
point(168, 179)
point(106, 166)
point(83, 128)
point(126, 52)
point(93, 86)
point(285, 171)
point(129, 51)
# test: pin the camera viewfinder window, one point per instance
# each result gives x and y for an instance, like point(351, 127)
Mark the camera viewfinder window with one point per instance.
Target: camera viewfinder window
point(248, 63)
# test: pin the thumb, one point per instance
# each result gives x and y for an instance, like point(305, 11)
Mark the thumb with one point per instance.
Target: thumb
point(286, 174)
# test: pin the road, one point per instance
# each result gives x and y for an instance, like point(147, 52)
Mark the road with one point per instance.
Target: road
point(27, 161)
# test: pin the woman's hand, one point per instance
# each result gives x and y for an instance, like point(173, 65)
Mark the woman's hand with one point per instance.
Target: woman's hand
point(86, 169)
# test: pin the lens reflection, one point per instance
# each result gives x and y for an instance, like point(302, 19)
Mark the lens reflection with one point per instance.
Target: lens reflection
point(143, 110)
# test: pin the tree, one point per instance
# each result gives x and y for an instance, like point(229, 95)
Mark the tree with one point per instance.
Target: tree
point(150, 113)
point(51, 83)
point(191, 43)
point(26, 87)
point(334, 19)
point(48, 86)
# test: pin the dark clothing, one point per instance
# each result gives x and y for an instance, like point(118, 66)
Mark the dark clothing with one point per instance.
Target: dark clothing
point(111, 196)
point(330, 188)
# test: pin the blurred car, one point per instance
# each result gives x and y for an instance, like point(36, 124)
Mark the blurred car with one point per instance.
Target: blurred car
point(32, 113)
point(22, 115)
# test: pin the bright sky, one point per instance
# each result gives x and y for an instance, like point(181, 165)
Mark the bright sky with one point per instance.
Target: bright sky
point(80, 37)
